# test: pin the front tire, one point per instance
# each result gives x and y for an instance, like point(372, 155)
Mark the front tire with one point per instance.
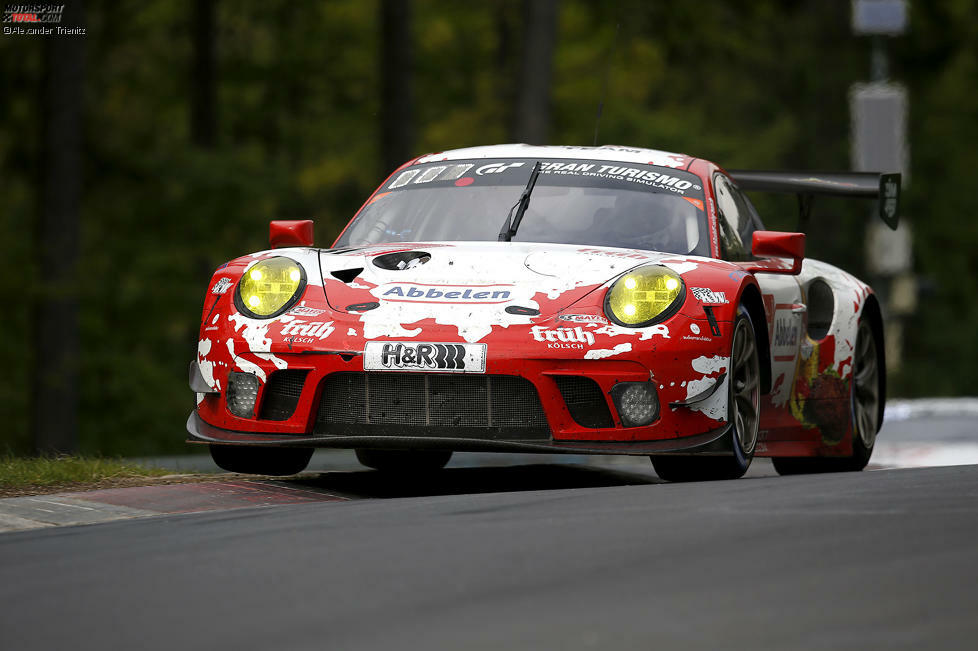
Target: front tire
point(864, 402)
point(261, 460)
point(743, 399)
point(404, 460)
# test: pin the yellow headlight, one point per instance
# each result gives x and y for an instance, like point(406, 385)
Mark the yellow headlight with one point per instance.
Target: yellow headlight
point(642, 295)
point(270, 286)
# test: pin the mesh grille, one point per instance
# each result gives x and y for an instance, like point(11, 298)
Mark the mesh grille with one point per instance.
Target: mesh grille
point(585, 402)
point(282, 394)
point(435, 400)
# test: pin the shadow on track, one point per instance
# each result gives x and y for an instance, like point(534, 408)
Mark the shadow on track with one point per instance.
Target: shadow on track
point(457, 481)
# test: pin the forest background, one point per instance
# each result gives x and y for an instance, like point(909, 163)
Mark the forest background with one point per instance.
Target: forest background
point(137, 158)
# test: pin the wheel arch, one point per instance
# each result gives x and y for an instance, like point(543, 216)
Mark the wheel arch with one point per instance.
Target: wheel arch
point(750, 298)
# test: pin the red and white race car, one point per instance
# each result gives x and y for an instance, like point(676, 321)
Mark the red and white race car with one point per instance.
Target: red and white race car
point(596, 300)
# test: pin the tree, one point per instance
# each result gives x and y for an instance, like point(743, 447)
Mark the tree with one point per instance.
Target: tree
point(396, 75)
point(56, 341)
point(203, 104)
point(532, 120)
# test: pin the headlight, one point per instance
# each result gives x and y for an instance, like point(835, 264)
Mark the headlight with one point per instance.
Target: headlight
point(269, 287)
point(644, 296)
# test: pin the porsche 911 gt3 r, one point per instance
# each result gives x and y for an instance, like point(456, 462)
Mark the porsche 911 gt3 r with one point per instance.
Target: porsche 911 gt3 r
point(598, 300)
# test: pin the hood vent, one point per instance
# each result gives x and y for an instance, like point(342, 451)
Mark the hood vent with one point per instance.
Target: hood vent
point(347, 275)
point(401, 260)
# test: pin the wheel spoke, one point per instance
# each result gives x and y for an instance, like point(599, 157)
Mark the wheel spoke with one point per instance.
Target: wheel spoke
point(746, 407)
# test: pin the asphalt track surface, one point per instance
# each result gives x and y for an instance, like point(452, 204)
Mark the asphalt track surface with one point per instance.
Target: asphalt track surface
point(526, 557)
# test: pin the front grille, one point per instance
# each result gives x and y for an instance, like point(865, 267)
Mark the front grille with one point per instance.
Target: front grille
point(585, 402)
point(431, 401)
point(282, 394)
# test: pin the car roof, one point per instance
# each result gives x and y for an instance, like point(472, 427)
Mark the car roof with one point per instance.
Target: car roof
point(604, 152)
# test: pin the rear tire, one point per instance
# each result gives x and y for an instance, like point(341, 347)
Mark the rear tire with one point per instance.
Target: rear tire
point(743, 398)
point(261, 460)
point(404, 460)
point(864, 411)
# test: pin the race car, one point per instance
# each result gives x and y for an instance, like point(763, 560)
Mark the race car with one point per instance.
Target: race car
point(553, 299)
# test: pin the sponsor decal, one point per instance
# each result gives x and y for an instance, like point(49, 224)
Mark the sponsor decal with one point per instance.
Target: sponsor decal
point(424, 356)
point(221, 286)
point(695, 329)
point(495, 168)
point(582, 318)
point(406, 292)
point(429, 174)
point(302, 310)
point(784, 337)
point(310, 329)
point(695, 338)
point(563, 337)
point(707, 295)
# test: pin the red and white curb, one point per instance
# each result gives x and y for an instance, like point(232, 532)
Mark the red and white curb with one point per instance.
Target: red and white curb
point(35, 512)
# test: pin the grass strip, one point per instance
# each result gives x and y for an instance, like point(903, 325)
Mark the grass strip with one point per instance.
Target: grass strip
point(35, 475)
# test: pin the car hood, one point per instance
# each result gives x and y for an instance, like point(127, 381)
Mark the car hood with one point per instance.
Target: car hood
point(471, 285)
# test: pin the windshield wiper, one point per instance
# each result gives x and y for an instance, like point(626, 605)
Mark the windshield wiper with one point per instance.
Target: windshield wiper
point(513, 221)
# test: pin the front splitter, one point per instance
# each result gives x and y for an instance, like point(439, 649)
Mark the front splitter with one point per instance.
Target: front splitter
point(714, 442)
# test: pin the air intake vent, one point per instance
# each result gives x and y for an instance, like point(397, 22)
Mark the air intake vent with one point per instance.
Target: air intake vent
point(282, 394)
point(586, 403)
point(476, 406)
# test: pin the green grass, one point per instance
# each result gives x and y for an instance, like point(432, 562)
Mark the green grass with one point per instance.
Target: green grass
point(24, 472)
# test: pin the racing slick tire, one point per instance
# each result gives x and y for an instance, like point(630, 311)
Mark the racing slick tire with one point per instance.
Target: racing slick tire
point(744, 398)
point(404, 460)
point(864, 408)
point(261, 460)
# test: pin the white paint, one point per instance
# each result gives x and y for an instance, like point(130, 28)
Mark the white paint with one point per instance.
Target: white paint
point(601, 353)
point(715, 406)
point(255, 335)
point(710, 365)
point(660, 330)
point(351, 332)
point(206, 366)
point(246, 365)
point(681, 267)
point(604, 152)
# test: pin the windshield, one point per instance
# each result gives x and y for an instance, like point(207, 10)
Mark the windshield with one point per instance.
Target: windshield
point(598, 203)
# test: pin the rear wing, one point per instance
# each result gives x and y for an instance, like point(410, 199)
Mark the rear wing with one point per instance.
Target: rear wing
point(868, 185)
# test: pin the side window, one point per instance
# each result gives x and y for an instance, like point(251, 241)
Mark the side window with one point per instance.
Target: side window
point(749, 219)
point(733, 219)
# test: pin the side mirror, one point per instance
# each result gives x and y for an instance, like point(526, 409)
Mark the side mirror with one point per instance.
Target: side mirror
point(283, 233)
point(774, 244)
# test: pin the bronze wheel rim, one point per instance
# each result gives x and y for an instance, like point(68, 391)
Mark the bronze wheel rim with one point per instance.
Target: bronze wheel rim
point(745, 387)
point(865, 391)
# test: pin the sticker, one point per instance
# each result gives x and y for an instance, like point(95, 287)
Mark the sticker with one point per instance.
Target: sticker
point(221, 286)
point(412, 293)
point(424, 356)
point(300, 328)
point(706, 295)
point(302, 310)
point(784, 336)
point(582, 318)
point(563, 337)
point(695, 329)
point(496, 168)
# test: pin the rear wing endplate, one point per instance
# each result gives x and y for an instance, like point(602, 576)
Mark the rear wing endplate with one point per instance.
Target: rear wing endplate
point(868, 185)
